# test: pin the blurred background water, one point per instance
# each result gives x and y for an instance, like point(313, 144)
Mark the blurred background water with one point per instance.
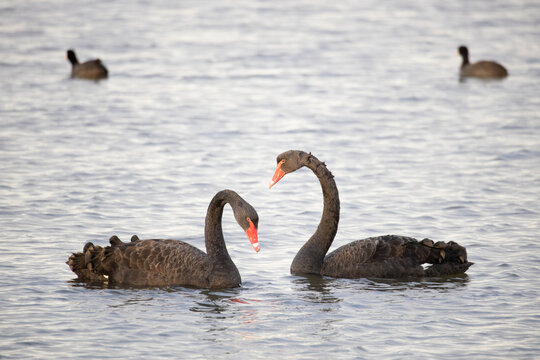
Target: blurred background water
point(202, 96)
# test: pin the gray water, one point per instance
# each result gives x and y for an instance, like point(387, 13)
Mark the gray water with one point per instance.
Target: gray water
point(202, 96)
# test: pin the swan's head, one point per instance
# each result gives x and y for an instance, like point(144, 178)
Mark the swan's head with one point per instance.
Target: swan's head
point(463, 51)
point(70, 55)
point(288, 162)
point(247, 218)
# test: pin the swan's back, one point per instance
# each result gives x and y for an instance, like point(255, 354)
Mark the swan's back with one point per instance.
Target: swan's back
point(157, 262)
point(380, 256)
point(393, 256)
point(150, 262)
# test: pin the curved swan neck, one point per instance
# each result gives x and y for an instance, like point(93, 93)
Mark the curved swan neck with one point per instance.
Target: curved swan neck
point(310, 258)
point(213, 233)
point(465, 60)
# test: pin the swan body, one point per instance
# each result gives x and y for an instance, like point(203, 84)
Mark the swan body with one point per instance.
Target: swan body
point(389, 256)
point(394, 256)
point(481, 69)
point(157, 262)
point(91, 69)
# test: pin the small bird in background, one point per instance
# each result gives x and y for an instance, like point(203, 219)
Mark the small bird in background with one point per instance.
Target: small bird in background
point(91, 69)
point(481, 69)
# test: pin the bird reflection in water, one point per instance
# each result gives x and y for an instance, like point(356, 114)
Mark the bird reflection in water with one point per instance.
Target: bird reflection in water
point(228, 311)
point(316, 289)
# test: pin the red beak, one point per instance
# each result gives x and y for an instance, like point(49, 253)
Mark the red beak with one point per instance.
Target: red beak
point(252, 235)
point(277, 175)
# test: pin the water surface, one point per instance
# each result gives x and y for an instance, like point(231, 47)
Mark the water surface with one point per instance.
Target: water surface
point(203, 96)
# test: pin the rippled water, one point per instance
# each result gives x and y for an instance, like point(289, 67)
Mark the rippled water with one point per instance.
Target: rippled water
point(202, 96)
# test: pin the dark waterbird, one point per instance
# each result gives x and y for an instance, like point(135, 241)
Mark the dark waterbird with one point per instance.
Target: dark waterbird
point(171, 262)
point(388, 256)
point(481, 69)
point(91, 69)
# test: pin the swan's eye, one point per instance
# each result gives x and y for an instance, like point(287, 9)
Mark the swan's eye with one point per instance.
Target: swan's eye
point(252, 222)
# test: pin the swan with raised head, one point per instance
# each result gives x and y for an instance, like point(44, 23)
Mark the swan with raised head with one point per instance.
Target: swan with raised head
point(388, 256)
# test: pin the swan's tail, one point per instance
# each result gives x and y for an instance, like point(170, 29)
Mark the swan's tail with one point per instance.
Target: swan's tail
point(446, 258)
point(83, 263)
point(90, 264)
point(447, 268)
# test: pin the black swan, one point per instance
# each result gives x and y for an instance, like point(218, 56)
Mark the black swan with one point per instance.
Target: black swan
point(389, 256)
point(91, 69)
point(481, 69)
point(171, 262)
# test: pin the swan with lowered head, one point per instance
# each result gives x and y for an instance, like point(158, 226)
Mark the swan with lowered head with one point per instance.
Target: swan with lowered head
point(171, 262)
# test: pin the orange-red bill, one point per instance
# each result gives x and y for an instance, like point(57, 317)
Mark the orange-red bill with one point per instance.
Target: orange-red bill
point(278, 174)
point(252, 235)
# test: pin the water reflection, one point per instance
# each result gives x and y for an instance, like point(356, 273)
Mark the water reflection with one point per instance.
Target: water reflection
point(321, 289)
point(315, 289)
point(88, 284)
point(206, 301)
point(216, 302)
point(377, 284)
point(227, 316)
